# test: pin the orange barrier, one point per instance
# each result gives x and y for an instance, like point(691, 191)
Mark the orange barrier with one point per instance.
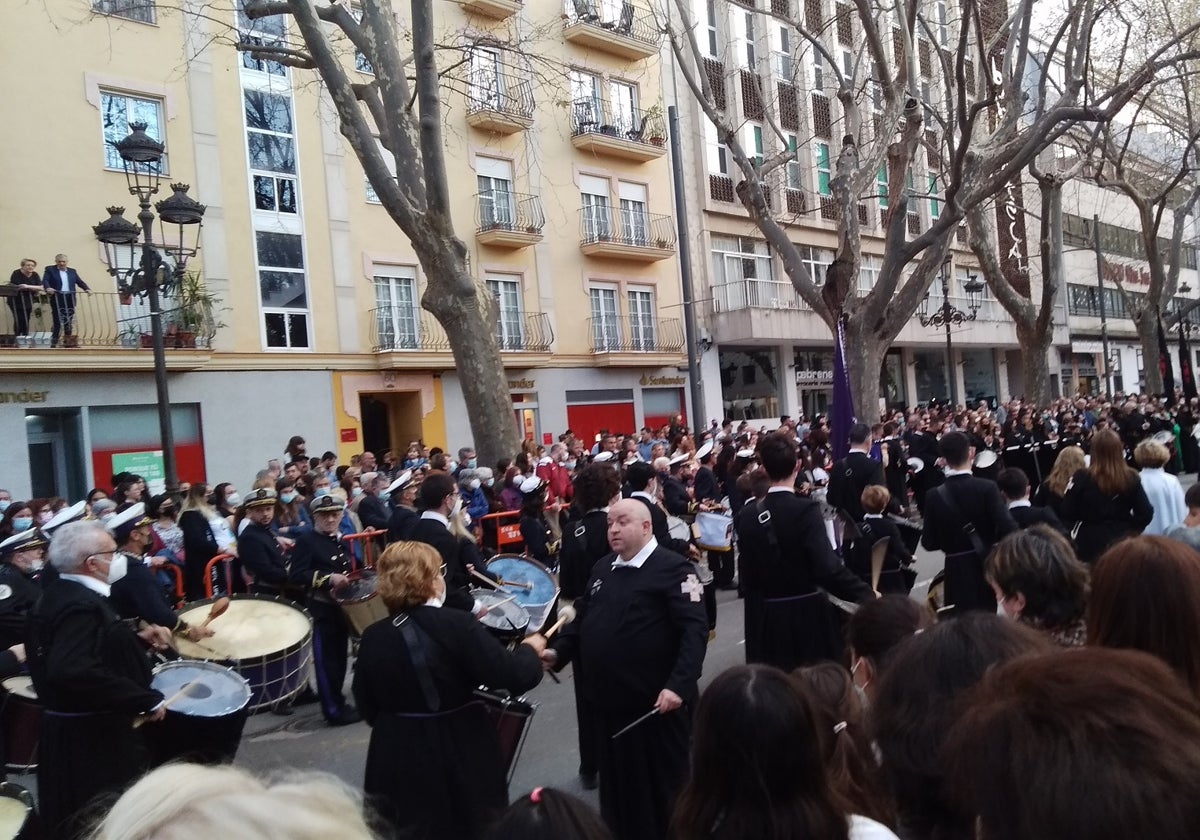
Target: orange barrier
point(177, 573)
point(208, 570)
point(507, 533)
point(369, 546)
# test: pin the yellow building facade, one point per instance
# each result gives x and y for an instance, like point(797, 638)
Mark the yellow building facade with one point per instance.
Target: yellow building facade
point(556, 149)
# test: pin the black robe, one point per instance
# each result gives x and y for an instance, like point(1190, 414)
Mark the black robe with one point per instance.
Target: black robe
point(274, 572)
point(458, 580)
point(784, 559)
point(23, 593)
point(92, 676)
point(140, 595)
point(638, 631)
point(436, 773)
point(1103, 519)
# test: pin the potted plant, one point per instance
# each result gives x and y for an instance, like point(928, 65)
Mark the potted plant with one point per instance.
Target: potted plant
point(652, 124)
point(129, 336)
point(197, 311)
point(661, 244)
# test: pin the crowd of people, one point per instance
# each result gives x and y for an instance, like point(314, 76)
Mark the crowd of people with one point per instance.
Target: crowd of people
point(1061, 637)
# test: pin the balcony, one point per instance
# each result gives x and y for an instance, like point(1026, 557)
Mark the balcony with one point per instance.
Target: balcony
point(415, 338)
point(499, 103)
point(99, 321)
point(629, 33)
point(508, 220)
point(626, 234)
point(635, 340)
point(495, 9)
point(631, 135)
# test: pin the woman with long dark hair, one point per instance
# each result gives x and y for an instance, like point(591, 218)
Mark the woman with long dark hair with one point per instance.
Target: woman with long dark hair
point(1106, 499)
point(758, 768)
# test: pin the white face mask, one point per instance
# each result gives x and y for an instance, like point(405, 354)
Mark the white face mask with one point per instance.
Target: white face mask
point(490, 482)
point(233, 499)
point(1000, 611)
point(457, 505)
point(118, 568)
point(473, 484)
point(37, 565)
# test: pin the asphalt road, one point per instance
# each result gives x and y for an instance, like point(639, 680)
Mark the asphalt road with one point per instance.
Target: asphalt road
point(550, 756)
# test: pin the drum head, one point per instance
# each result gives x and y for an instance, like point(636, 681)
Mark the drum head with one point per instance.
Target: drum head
point(503, 616)
point(16, 804)
point(916, 464)
point(534, 585)
point(360, 588)
point(254, 626)
point(21, 687)
point(227, 691)
point(985, 459)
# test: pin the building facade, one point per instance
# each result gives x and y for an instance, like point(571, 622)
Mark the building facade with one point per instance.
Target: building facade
point(555, 146)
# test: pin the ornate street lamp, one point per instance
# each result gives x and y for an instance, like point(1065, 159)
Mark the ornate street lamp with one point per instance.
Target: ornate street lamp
point(947, 315)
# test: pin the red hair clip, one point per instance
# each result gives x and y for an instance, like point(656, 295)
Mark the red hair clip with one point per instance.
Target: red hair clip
point(535, 796)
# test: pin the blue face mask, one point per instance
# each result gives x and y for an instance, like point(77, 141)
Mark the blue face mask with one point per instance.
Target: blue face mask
point(4, 503)
point(472, 464)
point(357, 491)
point(22, 523)
point(287, 498)
point(322, 491)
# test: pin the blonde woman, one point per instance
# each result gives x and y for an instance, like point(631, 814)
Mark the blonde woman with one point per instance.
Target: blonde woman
point(183, 801)
point(1162, 489)
point(414, 683)
point(1052, 489)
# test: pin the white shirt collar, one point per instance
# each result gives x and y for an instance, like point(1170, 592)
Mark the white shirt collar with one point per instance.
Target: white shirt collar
point(872, 516)
point(1020, 503)
point(949, 472)
point(781, 489)
point(639, 559)
point(89, 582)
point(433, 514)
point(644, 495)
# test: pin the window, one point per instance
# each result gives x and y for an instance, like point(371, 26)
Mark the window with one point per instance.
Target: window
point(594, 197)
point(397, 324)
point(750, 40)
point(781, 62)
point(794, 181)
point(510, 320)
point(487, 78)
point(881, 186)
point(390, 162)
point(816, 261)
point(635, 223)
point(756, 140)
point(935, 204)
point(943, 21)
point(274, 193)
point(268, 31)
point(139, 10)
point(717, 153)
point(283, 290)
point(743, 276)
point(117, 112)
point(623, 107)
point(848, 64)
point(868, 273)
point(361, 63)
point(818, 72)
point(585, 98)
point(824, 173)
point(710, 14)
point(641, 320)
point(272, 151)
point(497, 205)
point(606, 328)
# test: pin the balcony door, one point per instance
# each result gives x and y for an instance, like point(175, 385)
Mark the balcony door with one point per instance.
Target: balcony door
point(497, 206)
point(487, 79)
point(635, 223)
point(623, 108)
point(594, 200)
point(396, 321)
point(606, 328)
point(642, 321)
point(510, 319)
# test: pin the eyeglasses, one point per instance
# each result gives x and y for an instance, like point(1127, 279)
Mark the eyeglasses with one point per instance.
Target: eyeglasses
point(443, 570)
point(102, 554)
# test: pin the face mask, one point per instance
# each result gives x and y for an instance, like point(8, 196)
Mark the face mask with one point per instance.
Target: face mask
point(472, 463)
point(322, 491)
point(287, 498)
point(233, 499)
point(4, 503)
point(167, 511)
point(490, 482)
point(356, 492)
point(457, 505)
point(45, 516)
point(466, 518)
point(570, 463)
point(37, 565)
point(473, 484)
point(117, 569)
point(22, 523)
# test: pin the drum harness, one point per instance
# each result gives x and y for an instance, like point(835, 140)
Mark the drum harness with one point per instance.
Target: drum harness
point(405, 622)
point(764, 521)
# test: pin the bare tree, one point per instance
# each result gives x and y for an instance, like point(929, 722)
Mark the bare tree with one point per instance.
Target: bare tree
point(398, 114)
point(957, 88)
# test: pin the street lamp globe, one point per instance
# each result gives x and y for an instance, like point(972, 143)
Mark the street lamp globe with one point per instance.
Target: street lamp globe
point(141, 156)
point(974, 289)
point(119, 236)
point(180, 217)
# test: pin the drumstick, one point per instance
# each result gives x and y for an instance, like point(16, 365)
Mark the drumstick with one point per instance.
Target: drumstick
point(644, 717)
point(502, 603)
point(218, 609)
point(191, 689)
point(502, 583)
point(565, 616)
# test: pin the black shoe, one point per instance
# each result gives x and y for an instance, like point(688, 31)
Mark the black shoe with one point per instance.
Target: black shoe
point(305, 697)
point(588, 781)
point(347, 716)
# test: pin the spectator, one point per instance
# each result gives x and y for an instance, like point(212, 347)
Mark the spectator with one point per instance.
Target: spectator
point(466, 459)
point(18, 516)
point(1146, 596)
point(918, 702)
point(1162, 489)
point(549, 814)
point(874, 632)
point(758, 767)
point(1050, 492)
point(1106, 499)
point(1188, 531)
point(1095, 744)
point(1039, 582)
point(1014, 486)
point(291, 513)
point(470, 487)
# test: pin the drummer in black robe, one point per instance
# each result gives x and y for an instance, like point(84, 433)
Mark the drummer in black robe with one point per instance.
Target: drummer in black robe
point(540, 544)
point(584, 543)
point(22, 557)
point(434, 765)
point(439, 499)
point(404, 516)
point(785, 557)
point(92, 676)
point(262, 556)
point(324, 558)
point(641, 634)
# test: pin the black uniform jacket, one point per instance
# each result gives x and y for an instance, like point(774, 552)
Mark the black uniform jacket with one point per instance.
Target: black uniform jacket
point(848, 478)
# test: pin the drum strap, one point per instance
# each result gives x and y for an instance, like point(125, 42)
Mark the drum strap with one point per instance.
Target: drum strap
point(968, 527)
point(417, 652)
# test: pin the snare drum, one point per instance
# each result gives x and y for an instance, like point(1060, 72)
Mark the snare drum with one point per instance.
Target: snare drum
point(16, 811)
point(508, 620)
point(21, 720)
point(716, 531)
point(534, 585)
point(359, 602)
point(267, 640)
point(205, 727)
point(511, 716)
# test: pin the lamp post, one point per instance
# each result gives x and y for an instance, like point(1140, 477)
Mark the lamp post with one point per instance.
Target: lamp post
point(947, 315)
point(141, 156)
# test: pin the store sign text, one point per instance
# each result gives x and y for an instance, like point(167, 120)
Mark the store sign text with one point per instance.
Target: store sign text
point(25, 396)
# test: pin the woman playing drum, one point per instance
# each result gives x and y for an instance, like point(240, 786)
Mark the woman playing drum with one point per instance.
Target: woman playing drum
point(414, 683)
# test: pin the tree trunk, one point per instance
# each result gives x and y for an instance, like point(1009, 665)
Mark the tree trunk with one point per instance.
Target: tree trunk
point(471, 330)
point(864, 361)
point(1035, 347)
point(1147, 330)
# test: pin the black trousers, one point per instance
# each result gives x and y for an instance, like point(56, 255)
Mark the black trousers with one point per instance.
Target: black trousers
point(722, 565)
point(21, 310)
point(330, 642)
point(585, 719)
point(62, 309)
